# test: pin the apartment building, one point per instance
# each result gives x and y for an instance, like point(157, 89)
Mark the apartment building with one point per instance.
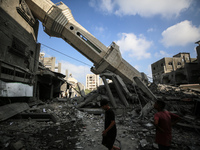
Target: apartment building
point(92, 81)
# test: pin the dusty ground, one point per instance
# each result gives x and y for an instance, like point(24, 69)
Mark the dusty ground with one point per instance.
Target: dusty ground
point(78, 130)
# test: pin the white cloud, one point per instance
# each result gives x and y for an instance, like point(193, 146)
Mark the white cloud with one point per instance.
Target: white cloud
point(99, 29)
point(180, 34)
point(78, 72)
point(145, 8)
point(161, 54)
point(135, 46)
point(150, 30)
point(105, 6)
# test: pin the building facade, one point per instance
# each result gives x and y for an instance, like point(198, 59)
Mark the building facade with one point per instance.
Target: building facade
point(22, 76)
point(92, 81)
point(179, 69)
point(19, 50)
point(50, 63)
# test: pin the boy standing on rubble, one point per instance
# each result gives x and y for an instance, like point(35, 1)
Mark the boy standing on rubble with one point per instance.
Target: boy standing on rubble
point(163, 120)
point(110, 130)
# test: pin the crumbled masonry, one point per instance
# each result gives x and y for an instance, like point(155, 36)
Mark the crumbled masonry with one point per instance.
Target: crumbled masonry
point(76, 129)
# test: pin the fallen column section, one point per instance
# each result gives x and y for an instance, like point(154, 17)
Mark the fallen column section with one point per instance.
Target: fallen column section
point(10, 110)
point(144, 88)
point(119, 91)
point(89, 99)
point(117, 82)
point(147, 91)
point(109, 92)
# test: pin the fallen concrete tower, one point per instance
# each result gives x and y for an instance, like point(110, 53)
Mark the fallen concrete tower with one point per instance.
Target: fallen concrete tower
point(58, 21)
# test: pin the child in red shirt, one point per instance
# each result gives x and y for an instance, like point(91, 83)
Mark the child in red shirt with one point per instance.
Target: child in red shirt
point(163, 120)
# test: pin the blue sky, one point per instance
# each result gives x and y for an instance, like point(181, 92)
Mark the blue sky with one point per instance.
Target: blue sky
point(145, 30)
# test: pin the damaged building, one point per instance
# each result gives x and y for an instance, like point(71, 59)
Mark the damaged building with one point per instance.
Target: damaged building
point(179, 69)
point(22, 77)
point(77, 123)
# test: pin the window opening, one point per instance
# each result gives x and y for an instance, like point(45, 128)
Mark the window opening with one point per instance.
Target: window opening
point(88, 42)
point(18, 47)
point(170, 63)
point(179, 63)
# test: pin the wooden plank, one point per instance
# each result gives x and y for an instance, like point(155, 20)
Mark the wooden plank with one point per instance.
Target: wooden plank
point(10, 110)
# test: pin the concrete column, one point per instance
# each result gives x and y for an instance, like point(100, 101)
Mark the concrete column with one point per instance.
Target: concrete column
point(120, 93)
point(109, 92)
point(198, 52)
point(36, 58)
point(174, 71)
point(66, 73)
point(144, 88)
point(89, 99)
point(35, 87)
point(53, 62)
point(59, 67)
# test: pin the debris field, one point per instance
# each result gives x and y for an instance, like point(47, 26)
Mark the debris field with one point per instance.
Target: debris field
point(69, 127)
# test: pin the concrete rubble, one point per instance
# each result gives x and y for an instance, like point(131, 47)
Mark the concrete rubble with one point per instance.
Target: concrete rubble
point(26, 123)
point(78, 129)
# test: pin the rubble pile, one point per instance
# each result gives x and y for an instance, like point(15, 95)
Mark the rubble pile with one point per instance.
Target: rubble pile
point(135, 98)
point(74, 129)
point(142, 132)
point(34, 134)
point(177, 98)
point(176, 91)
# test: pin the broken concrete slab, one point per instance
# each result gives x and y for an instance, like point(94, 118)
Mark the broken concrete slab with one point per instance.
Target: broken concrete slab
point(144, 88)
point(193, 126)
point(17, 145)
point(38, 116)
point(190, 86)
point(85, 132)
point(87, 100)
point(10, 110)
point(95, 111)
point(143, 142)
